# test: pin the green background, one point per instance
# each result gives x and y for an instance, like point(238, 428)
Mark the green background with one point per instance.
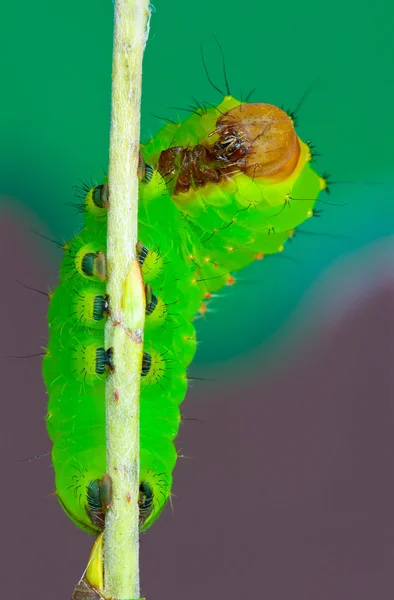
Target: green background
point(55, 67)
point(291, 490)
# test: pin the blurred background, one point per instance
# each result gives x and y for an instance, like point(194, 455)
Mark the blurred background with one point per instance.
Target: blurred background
point(289, 490)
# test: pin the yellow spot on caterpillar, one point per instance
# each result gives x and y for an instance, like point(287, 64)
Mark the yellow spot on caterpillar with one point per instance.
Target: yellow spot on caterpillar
point(310, 213)
point(89, 354)
point(152, 264)
point(207, 259)
point(281, 248)
point(323, 183)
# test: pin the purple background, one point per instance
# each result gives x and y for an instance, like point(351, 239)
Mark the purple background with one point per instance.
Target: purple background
point(290, 489)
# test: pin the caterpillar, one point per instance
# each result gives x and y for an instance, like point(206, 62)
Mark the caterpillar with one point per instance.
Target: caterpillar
point(217, 191)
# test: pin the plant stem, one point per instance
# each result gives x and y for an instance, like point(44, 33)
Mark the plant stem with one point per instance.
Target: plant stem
point(124, 329)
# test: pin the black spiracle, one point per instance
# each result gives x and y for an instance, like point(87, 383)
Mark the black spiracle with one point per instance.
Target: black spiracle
point(88, 264)
point(100, 307)
point(100, 195)
point(142, 252)
point(151, 305)
point(103, 360)
point(146, 363)
point(145, 501)
point(148, 173)
point(93, 495)
point(94, 507)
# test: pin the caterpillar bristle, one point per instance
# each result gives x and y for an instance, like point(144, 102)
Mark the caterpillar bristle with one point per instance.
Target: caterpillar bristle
point(28, 287)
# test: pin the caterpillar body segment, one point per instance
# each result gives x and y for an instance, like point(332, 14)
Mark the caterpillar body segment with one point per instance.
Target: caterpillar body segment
point(223, 188)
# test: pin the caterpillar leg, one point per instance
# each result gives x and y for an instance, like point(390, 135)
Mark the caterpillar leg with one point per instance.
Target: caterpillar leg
point(99, 499)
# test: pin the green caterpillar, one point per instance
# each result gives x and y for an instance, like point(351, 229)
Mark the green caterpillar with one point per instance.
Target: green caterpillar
point(217, 191)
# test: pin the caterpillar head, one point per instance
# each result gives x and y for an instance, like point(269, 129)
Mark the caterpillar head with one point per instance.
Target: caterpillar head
point(259, 139)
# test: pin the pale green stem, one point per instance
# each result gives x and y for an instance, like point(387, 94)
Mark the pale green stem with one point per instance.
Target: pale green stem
point(124, 329)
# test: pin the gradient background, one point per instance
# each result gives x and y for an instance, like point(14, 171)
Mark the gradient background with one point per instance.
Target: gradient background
point(290, 491)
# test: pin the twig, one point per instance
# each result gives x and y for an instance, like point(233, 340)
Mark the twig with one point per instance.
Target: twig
point(124, 329)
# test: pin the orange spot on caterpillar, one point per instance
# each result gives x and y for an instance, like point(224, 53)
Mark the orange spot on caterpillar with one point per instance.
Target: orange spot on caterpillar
point(128, 497)
point(230, 280)
point(216, 265)
point(207, 295)
point(259, 256)
point(117, 396)
point(203, 309)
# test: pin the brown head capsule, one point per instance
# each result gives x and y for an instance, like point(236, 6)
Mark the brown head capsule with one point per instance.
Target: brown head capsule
point(259, 140)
